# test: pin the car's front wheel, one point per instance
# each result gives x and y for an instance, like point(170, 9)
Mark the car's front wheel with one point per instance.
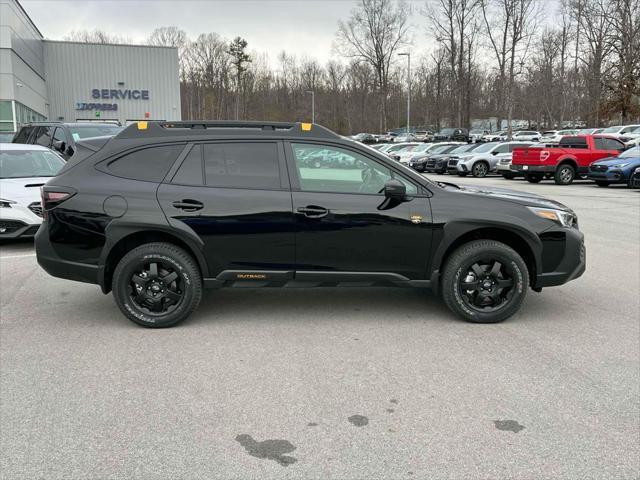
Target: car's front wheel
point(508, 175)
point(533, 178)
point(157, 285)
point(480, 169)
point(485, 281)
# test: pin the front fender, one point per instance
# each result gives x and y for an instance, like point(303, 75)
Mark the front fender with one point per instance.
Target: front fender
point(449, 237)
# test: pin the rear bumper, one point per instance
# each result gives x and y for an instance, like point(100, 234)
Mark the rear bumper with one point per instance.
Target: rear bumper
point(57, 267)
point(522, 169)
point(572, 266)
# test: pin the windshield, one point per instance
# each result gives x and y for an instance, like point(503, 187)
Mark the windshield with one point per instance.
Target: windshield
point(446, 131)
point(463, 148)
point(549, 132)
point(398, 148)
point(440, 149)
point(422, 148)
point(88, 131)
point(611, 130)
point(26, 163)
point(632, 152)
point(485, 147)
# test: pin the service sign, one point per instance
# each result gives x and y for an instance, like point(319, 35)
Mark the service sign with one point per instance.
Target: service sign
point(111, 94)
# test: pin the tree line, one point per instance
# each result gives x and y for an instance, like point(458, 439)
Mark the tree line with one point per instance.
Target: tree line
point(478, 59)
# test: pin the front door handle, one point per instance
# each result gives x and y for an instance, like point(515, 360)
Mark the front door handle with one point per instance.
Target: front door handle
point(313, 211)
point(188, 205)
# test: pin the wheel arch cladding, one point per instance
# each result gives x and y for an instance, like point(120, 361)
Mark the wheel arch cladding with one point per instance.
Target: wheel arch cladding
point(128, 239)
point(457, 235)
point(570, 161)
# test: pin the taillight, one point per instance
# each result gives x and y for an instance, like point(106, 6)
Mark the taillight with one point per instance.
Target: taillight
point(51, 197)
point(544, 154)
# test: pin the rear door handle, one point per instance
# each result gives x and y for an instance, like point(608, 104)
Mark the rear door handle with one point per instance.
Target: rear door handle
point(313, 211)
point(188, 205)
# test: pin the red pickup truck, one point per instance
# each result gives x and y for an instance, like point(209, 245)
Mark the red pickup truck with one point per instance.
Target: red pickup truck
point(569, 159)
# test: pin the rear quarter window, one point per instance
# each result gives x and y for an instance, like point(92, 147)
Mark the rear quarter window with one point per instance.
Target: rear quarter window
point(149, 164)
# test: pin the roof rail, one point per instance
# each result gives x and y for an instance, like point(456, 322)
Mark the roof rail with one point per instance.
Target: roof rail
point(152, 128)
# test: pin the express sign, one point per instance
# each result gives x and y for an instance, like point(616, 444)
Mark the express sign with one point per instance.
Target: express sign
point(110, 94)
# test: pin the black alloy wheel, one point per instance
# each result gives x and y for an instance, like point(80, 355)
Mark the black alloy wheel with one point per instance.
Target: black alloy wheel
point(487, 285)
point(157, 285)
point(484, 281)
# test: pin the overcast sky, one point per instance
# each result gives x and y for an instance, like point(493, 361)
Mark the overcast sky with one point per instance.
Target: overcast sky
point(269, 26)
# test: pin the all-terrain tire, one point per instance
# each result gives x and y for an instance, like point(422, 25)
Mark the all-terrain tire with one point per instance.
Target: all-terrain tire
point(171, 262)
point(456, 269)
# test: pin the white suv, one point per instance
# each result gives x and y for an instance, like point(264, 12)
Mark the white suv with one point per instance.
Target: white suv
point(483, 159)
point(23, 170)
point(526, 135)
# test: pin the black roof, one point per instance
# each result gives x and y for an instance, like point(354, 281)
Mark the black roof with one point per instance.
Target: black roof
point(225, 128)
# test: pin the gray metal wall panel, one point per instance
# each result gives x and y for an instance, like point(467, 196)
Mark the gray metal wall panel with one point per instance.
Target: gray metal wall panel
point(72, 70)
point(19, 35)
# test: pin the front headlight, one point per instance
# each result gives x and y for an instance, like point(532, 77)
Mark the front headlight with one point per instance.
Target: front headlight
point(6, 203)
point(561, 217)
point(620, 165)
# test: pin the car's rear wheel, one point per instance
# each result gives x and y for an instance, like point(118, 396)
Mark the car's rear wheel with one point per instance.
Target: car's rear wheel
point(157, 285)
point(533, 178)
point(480, 169)
point(602, 183)
point(485, 281)
point(565, 174)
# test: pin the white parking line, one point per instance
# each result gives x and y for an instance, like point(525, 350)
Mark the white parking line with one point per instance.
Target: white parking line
point(18, 256)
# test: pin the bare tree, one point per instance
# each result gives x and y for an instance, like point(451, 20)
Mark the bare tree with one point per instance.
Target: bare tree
point(373, 34)
point(625, 43)
point(510, 27)
point(95, 36)
point(453, 25)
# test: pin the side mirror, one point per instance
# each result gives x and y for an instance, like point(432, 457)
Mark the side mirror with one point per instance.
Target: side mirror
point(395, 190)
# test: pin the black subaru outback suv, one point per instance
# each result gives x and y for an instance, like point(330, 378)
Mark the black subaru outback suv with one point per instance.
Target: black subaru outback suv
point(162, 210)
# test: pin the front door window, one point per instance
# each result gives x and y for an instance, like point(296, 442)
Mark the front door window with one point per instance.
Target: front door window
point(336, 170)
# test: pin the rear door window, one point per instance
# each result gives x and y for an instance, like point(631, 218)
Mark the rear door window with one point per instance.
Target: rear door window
point(242, 165)
point(149, 164)
point(43, 136)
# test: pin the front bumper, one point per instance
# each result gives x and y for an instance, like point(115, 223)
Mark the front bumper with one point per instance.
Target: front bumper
point(611, 176)
point(573, 261)
point(503, 167)
point(18, 221)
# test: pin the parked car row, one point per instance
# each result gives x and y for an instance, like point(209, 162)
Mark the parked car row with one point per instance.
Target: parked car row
point(601, 158)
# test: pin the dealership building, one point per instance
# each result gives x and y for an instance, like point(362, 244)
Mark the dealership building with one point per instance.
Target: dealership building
point(69, 81)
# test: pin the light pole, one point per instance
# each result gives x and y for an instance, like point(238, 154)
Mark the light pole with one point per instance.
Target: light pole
point(408, 55)
point(313, 105)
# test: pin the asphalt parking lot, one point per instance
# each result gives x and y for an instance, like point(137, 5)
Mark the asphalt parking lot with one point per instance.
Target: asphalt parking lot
point(331, 383)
